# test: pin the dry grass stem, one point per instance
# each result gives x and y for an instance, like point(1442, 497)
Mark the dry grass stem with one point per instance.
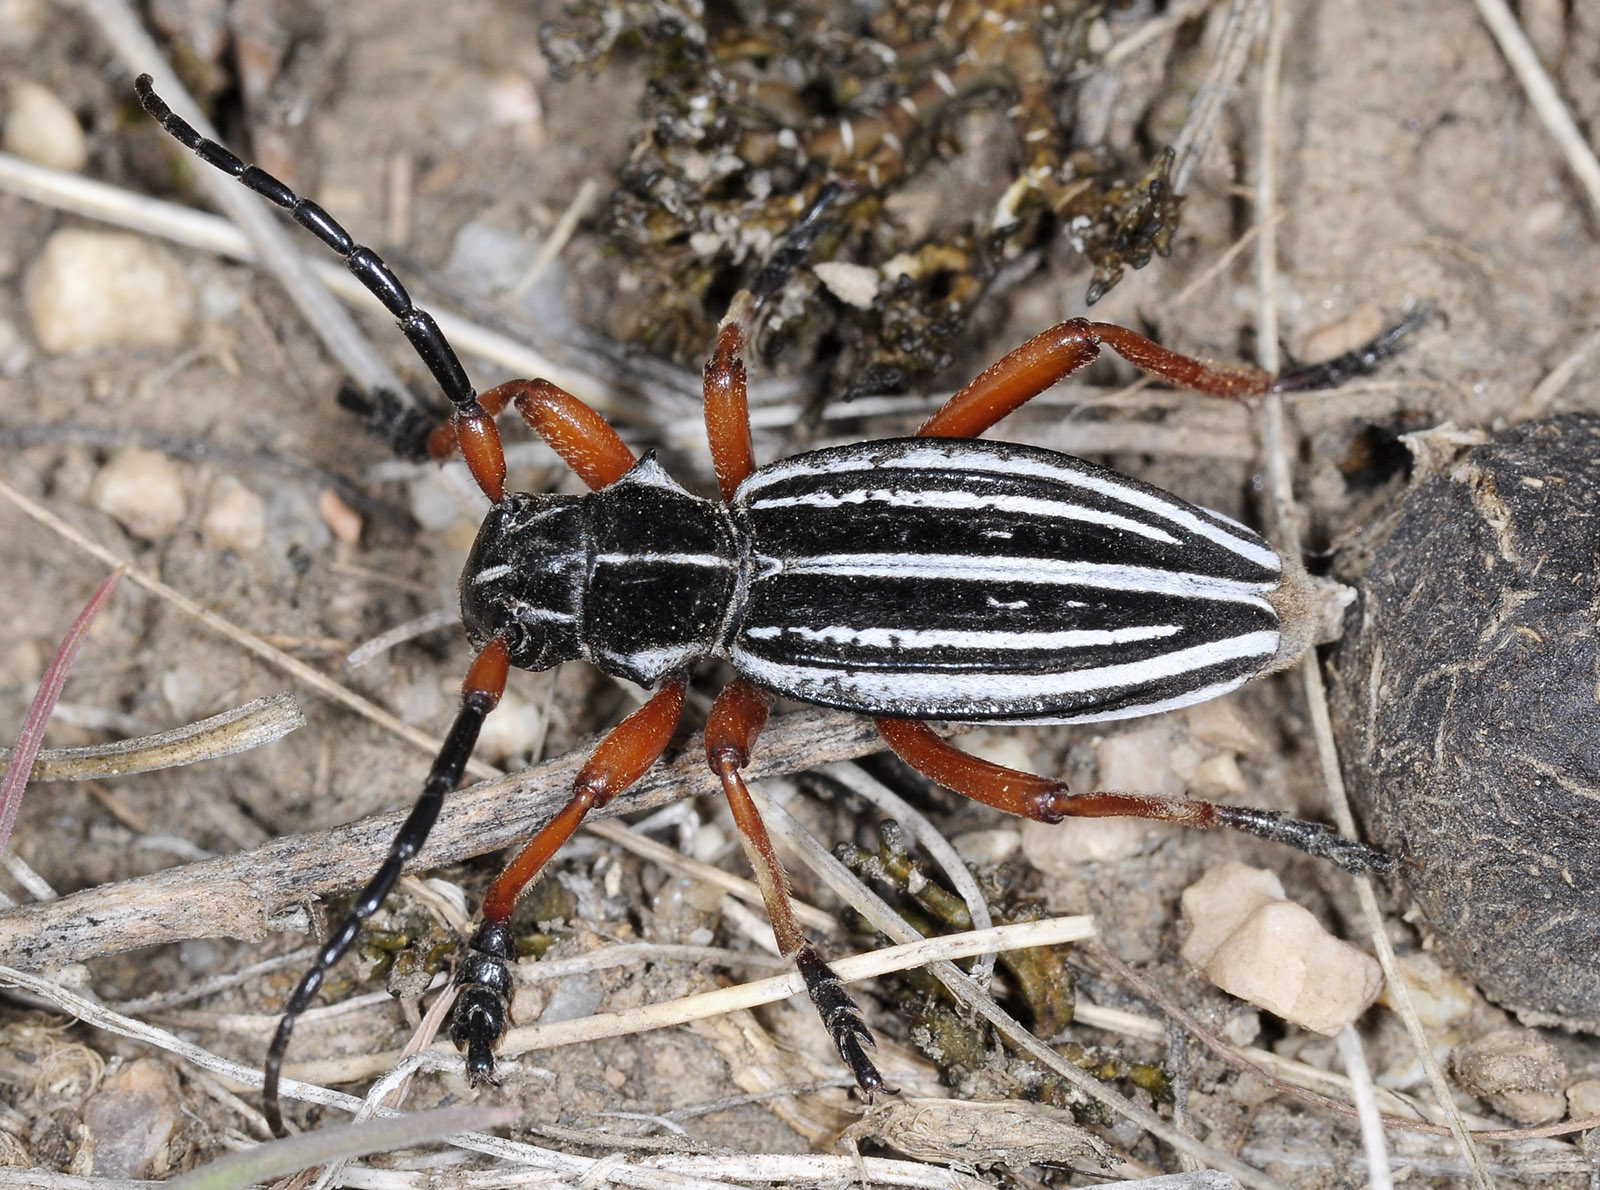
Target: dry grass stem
point(260, 721)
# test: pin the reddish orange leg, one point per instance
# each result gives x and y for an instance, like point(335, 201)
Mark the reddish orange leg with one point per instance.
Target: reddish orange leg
point(726, 392)
point(1011, 382)
point(1044, 800)
point(583, 439)
point(620, 759)
point(1014, 380)
point(736, 719)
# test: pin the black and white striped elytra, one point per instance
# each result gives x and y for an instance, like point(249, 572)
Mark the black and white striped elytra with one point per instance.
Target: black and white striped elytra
point(924, 578)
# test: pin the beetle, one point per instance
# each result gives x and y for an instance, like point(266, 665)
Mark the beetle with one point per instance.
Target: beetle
point(937, 577)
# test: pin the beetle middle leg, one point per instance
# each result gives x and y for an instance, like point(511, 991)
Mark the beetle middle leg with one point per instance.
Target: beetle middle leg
point(620, 759)
point(1053, 355)
point(1045, 799)
point(737, 717)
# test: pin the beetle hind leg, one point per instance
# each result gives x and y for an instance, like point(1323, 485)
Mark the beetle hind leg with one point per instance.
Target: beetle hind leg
point(736, 719)
point(1044, 799)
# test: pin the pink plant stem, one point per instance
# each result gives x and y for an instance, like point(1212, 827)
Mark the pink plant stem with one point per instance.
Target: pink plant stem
point(22, 756)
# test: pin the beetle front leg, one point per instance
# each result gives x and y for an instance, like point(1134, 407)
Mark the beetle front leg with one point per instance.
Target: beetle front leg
point(484, 978)
point(1042, 799)
point(570, 427)
point(736, 719)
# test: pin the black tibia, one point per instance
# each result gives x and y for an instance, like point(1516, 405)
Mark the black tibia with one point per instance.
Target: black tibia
point(426, 339)
point(1311, 837)
point(842, 1018)
point(1364, 359)
point(795, 245)
point(483, 1004)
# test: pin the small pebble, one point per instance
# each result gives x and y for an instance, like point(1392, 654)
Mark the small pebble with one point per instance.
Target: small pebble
point(1222, 723)
point(343, 521)
point(23, 23)
point(132, 1120)
point(1440, 998)
point(512, 730)
point(143, 491)
point(1257, 946)
point(1334, 339)
point(1583, 1099)
point(15, 351)
point(1138, 761)
point(42, 129)
point(1282, 960)
point(1218, 903)
point(1516, 1072)
point(94, 289)
point(853, 284)
point(235, 517)
point(982, 848)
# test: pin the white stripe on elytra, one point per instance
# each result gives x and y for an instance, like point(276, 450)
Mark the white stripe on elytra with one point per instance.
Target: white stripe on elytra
point(710, 561)
point(970, 502)
point(1133, 711)
point(934, 638)
point(1038, 571)
point(942, 688)
point(948, 454)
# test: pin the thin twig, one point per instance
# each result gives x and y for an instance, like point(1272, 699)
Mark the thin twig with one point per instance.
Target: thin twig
point(260, 721)
point(1366, 1101)
point(700, 1006)
point(240, 895)
point(1547, 102)
point(856, 779)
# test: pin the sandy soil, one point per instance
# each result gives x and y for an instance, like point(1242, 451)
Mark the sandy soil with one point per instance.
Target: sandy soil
point(1411, 170)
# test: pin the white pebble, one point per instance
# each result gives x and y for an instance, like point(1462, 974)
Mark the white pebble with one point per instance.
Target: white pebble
point(235, 517)
point(981, 848)
point(42, 129)
point(853, 284)
point(143, 491)
point(1281, 959)
point(1060, 849)
point(1222, 723)
point(1440, 998)
point(1219, 902)
point(23, 23)
point(343, 521)
point(512, 730)
point(1583, 1099)
point(94, 289)
point(15, 350)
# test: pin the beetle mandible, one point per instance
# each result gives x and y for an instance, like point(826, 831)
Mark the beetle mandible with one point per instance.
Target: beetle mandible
point(936, 577)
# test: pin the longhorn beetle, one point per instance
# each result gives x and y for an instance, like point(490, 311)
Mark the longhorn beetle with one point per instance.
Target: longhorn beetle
point(939, 577)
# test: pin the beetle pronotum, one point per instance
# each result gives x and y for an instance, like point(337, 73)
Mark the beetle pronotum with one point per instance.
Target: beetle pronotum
point(935, 577)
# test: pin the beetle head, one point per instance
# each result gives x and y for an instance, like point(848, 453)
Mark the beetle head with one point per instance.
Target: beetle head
point(524, 579)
